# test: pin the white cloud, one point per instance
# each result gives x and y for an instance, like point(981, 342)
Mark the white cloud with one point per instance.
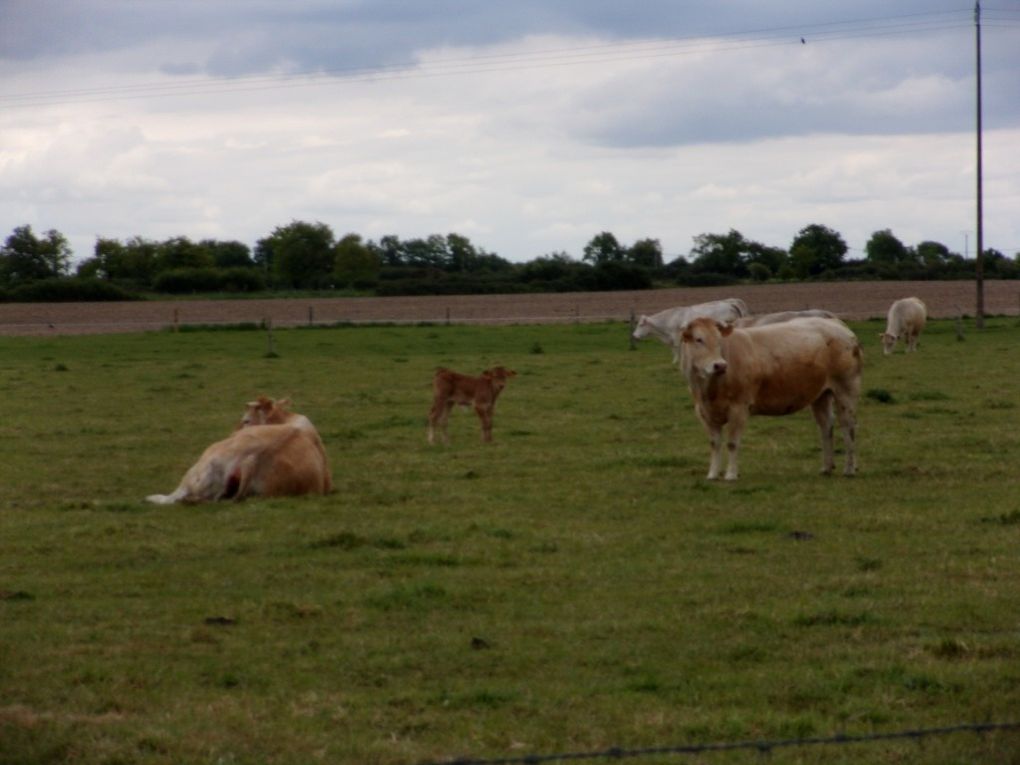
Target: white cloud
point(523, 156)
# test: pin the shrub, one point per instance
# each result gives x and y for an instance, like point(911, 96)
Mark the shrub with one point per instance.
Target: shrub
point(67, 290)
point(184, 280)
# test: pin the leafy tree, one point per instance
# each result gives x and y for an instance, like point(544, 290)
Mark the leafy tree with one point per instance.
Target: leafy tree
point(720, 254)
point(389, 250)
point(933, 255)
point(646, 252)
point(815, 250)
point(25, 257)
point(883, 248)
point(463, 255)
point(432, 252)
point(298, 255)
point(232, 254)
point(181, 252)
point(355, 262)
point(762, 256)
point(603, 248)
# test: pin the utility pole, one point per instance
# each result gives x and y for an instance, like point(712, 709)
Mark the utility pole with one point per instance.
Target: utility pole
point(979, 259)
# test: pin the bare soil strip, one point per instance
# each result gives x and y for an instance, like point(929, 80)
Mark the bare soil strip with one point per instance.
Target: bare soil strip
point(850, 300)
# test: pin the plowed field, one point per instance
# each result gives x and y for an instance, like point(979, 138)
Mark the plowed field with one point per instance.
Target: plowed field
point(851, 300)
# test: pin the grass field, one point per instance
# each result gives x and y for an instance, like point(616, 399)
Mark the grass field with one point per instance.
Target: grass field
point(575, 586)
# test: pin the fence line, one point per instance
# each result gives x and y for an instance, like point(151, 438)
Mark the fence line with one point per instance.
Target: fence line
point(11, 328)
point(762, 747)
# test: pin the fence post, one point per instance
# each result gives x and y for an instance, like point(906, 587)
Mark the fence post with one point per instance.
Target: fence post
point(311, 316)
point(448, 316)
point(633, 323)
point(177, 321)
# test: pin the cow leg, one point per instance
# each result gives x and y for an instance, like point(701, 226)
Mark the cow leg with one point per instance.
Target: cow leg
point(822, 410)
point(846, 410)
point(737, 422)
point(715, 444)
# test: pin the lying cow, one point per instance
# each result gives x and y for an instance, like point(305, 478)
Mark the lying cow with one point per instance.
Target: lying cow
point(780, 316)
point(267, 411)
point(450, 388)
point(775, 369)
point(273, 452)
point(906, 319)
point(665, 325)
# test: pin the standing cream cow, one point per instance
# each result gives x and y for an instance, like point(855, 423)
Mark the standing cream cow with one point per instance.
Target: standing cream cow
point(774, 369)
point(906, 319)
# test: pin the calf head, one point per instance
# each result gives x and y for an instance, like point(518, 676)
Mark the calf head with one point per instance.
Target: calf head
point(265, 411)
point(702, 343)
point(498, 376)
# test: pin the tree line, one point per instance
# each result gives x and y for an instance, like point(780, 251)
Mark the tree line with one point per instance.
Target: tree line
point(308, 256)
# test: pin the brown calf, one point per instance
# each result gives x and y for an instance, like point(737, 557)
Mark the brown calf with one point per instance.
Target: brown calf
point(450, 388)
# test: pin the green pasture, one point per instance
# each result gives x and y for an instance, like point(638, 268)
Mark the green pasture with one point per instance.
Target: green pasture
point(574, 586)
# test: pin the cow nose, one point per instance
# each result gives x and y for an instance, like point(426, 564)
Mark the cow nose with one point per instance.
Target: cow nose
point(719, 367)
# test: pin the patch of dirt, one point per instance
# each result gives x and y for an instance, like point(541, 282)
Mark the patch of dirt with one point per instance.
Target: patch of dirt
point(850, 300)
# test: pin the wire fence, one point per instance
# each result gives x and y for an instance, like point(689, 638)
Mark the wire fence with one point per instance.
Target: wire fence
point(765, 747)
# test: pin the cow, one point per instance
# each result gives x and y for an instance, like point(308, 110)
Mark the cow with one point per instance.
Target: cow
point(267, 411)
point(906, 319)
point(664, 325)
point(450, 388)
point(761, 320)
point(280, 456)
point(775, 369)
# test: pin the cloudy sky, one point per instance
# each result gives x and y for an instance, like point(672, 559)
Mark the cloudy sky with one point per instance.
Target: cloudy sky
point(528, 126)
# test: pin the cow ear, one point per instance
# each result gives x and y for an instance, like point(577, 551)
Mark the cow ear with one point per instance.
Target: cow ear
point(725, 329)
point(685, 335)
point(283, 403)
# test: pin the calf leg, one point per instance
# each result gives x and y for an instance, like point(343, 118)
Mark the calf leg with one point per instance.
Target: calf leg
point(439, 415)
point(485, 415)
point(822, 410)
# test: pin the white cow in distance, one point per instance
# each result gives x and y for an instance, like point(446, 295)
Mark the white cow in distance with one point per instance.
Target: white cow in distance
point(906, 319)
point(775, 369)
point(760, 320)
point(272, 453)
point(665, 325)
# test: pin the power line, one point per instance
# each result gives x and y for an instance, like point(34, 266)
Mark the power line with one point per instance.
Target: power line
point(592, 54)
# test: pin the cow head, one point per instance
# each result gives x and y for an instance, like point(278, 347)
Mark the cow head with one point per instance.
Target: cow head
point(702, 346)
point(642, 328)
point(265, 411)
point(888, 342)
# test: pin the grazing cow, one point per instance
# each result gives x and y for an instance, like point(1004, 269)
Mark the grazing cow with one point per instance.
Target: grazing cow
point(665, 324)
point(775, 369)
point(776, 318)
point(906, 319)
point(272, 453)
point(450, 388)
